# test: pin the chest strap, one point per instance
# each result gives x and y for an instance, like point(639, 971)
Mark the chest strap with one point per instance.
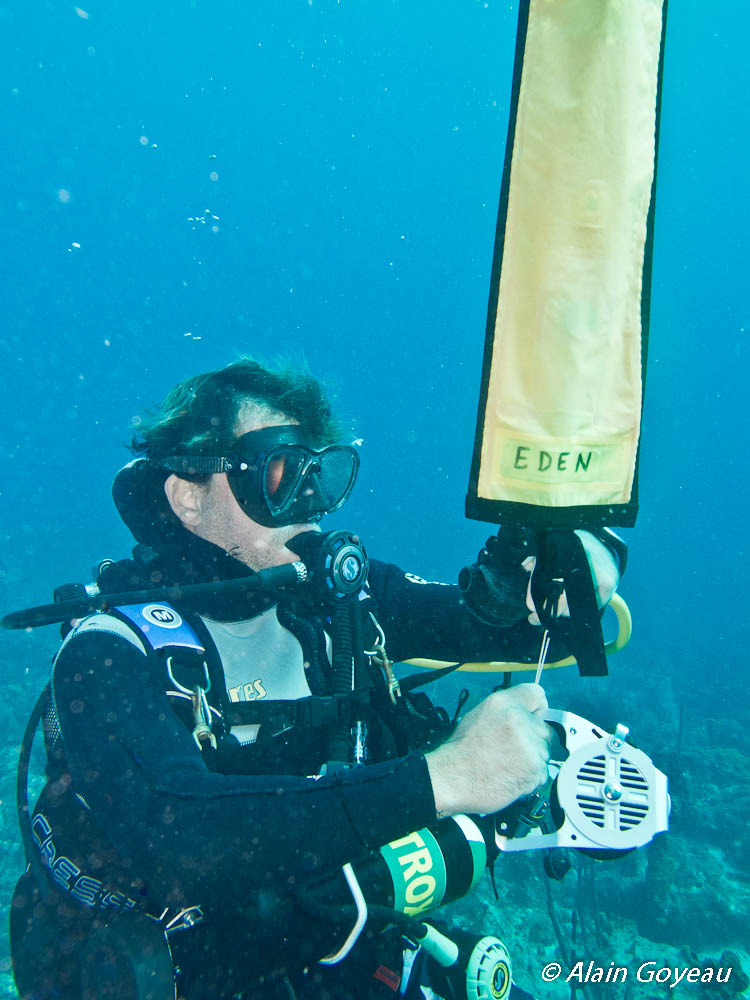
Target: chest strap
point(164, 631)
point(315, 711)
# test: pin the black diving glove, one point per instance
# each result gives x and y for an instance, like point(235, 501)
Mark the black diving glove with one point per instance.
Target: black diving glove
point(494, 587)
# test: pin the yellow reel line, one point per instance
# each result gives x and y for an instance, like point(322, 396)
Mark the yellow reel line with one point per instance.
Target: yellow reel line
point(624, 631)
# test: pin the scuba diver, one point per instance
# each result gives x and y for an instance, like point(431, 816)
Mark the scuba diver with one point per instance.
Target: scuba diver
point(215, 754)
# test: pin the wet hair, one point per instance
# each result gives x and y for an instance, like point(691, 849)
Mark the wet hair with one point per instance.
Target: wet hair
point(199, 416)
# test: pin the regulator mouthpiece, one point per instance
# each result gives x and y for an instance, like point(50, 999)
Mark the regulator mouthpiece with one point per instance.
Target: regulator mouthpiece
point(336, 563)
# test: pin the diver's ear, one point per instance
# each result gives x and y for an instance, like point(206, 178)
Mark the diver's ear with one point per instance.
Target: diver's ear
point(185, 499)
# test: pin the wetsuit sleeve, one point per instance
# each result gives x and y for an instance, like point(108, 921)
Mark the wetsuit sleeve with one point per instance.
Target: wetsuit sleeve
point(430, 620)
point(193, 836)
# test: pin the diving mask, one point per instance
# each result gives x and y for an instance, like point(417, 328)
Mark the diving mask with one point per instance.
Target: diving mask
point(276, 477)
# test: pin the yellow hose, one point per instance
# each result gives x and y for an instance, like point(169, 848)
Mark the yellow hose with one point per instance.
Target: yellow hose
point(624, 631)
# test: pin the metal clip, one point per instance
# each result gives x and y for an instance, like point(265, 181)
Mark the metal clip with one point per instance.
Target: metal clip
point(617, 740)
point(181, 687)
point(379, 655)
point(202, 718)
point(184, 920)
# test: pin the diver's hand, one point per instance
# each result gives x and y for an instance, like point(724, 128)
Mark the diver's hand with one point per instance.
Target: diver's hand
point(497, 753)
point(604, 571)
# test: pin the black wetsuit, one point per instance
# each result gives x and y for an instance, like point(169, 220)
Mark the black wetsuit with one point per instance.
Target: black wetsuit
point(134, 803)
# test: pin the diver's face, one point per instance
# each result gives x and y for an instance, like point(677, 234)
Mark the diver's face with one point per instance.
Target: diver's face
point(216, 516)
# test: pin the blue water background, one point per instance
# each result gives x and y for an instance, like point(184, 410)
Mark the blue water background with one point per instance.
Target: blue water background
point(342, 160)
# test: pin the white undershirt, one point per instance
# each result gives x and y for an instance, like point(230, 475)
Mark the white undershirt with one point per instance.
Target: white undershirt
point(261, 660)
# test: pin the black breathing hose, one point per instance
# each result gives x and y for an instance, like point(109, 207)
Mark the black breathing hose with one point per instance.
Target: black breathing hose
point(342, 681)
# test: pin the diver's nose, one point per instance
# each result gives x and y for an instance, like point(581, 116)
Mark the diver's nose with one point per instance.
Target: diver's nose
point(311, 488)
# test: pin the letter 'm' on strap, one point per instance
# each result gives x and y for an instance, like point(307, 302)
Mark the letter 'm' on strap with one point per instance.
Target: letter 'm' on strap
point(562, 383)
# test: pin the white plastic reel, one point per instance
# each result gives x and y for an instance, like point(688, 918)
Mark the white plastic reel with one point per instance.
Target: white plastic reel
point(612, 795)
